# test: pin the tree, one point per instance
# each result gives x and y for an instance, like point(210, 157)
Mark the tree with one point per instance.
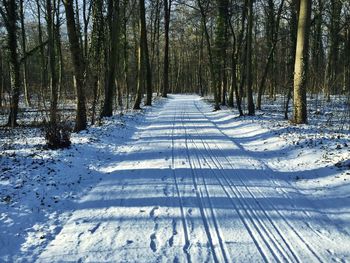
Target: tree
point(272, 32)
point(167, 9)
point(52, 60)
point(333, 71)
point(24, 49)
point(1, 78)
point(9, 13)
point(78, 65)
point(301, 62)
point(234, 86)
point(293, 29)
point(249, 62)
point(213, 78)
point(43, 67)
point(112, 20)
point(347, 56)
point(221, 48)
point(95, 57)
point(317, 64)
point(144, 68)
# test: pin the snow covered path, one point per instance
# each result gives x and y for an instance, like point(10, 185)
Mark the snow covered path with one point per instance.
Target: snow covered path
point(183, 190)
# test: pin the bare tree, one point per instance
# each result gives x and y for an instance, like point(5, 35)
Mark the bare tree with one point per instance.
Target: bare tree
point(249, 62)
point(9, 13)
point(167, 10)
point(301, 62)
point(113, 30)
point(78, 65)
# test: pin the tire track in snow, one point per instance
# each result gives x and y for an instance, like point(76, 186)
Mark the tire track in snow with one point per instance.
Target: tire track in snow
point(187, 245)
point(250, 231)
point(266, 199)
point(260, 227)
point(271, 221)
point(199, 194)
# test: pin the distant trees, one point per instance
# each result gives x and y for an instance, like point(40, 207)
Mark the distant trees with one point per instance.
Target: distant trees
point(116, 53)
point(333, 67)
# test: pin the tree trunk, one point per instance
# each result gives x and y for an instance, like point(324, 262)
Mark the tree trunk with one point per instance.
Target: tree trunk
point(234, 84)
point(52, 60)
point(113, 12)
point(333, 63)
point(10, 17)
point(59, 54)
point(294, 6)
point(272, 46)
point(140, 79)
point(95, 53)
point(24, 50)
point(125, 52)
point(43, 68)
point(78, 65)
point(251, 107)
point(1, 79)
point(210, 55)
point(167, 8)
point(220, 48)
point(144, 46)
point(301, 62)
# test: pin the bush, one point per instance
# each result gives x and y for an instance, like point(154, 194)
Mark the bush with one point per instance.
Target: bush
point(57, 136)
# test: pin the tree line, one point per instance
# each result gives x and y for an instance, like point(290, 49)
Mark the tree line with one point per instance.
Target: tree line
point(116, 54)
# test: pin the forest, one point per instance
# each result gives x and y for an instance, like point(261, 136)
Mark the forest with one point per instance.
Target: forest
point(174, 131)
point(97, 57)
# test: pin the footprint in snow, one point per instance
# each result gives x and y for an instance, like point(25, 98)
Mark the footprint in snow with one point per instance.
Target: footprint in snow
point(93, 229)
point(152, 213)
point(171, 239)
point(153, 244)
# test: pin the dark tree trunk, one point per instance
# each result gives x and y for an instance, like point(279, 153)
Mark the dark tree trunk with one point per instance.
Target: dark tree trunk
point(291, 60)
point(24, 50)
point(10, 17)
point(1, 79)
point(167, 9)
point(78, 65)
point(210, 55)
point(220, 49)
point(95, 52)
point(146, 61)
point(251, 107)
point(110, 85)
point(52, 60)
point(43, 67)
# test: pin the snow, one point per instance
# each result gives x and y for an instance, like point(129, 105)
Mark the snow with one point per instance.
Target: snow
point(178, 182)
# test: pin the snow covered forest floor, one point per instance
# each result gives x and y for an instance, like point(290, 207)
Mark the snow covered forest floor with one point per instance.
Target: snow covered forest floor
point(179, 182)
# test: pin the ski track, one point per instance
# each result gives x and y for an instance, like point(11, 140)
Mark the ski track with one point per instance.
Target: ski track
point(185, 191)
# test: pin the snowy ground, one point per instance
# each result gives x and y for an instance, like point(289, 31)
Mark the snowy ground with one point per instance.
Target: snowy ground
point(179, 183)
